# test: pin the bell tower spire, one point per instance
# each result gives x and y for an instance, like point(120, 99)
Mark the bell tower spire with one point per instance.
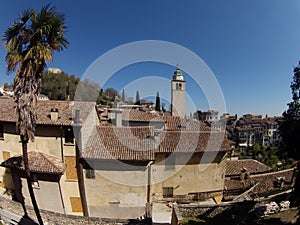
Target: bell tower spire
point(178, 93)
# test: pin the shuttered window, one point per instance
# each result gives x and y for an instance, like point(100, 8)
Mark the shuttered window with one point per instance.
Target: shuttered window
point(76, 204)
point(71, 172)
point(168, 192)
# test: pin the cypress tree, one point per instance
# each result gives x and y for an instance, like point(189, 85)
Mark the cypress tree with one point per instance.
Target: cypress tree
point(137, 98)
point(157, 103)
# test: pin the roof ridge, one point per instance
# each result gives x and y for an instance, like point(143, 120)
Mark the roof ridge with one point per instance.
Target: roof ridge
point(271, 173)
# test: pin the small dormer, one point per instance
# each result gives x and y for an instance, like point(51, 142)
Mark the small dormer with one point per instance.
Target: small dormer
point(54, 114)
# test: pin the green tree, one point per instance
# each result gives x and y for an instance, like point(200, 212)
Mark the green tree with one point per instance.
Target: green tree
point(30, 42)
point(259, 153)
point(157, 102)
point(290, 126)
point(7, 86)
point(102, 99)
point(59, 86)
point(163, 107)
point(137, 98)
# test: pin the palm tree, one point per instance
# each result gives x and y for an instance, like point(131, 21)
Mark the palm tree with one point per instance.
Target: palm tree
point(30, 42)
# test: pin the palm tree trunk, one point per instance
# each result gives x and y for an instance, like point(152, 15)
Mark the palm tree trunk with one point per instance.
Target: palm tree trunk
point(28, 178)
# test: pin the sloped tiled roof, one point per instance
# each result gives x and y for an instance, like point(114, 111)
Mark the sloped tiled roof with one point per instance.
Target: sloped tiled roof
point(191, 141)
point(65, 111)
point(177, 123)
point(140, 115)
point(120, 143)
point(234, 167)
point(38, 162)
point(266, 183)
point(171, 122)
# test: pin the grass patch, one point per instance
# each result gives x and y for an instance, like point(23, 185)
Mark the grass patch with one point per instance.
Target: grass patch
point(192, 220)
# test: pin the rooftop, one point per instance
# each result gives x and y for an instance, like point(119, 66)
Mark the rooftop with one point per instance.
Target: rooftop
point(234, 167)
point(66, 111)
point(38, 162)
point(191, 141)
point(141, 143)
point(120, 143)
point(177, 123)
point(266, 183)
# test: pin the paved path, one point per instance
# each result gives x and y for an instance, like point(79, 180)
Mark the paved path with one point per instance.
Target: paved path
point(161, 213)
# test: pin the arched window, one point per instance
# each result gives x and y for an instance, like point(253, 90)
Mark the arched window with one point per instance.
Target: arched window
point(180, 86)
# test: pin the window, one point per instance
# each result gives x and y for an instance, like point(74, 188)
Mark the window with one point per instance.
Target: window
point(69, 136)
point(178, 86)
point(5, 155)
point(1, 132)
point(71, 172)
point(170, 162)
point(90, 174)
point(76, 204)
point(168, 192)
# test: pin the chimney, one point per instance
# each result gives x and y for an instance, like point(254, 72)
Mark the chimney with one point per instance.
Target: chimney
point(54, 114)
point(244, 174)
point(111, 115)
point(77, 116)
point(118, 118)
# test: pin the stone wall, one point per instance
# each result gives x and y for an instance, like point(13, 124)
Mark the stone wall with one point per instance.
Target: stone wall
point(59, 219)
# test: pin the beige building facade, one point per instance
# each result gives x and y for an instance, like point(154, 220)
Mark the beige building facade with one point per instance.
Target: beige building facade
point(54, 137)
point(127, 169)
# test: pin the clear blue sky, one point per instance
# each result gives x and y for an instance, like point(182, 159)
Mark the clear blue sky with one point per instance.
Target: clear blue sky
point(251, 46)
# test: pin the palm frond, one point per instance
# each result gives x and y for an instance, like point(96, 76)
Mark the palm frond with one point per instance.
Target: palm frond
point(30, 43)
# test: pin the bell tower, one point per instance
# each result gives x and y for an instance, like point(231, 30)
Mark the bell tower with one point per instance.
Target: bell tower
point(178, 93)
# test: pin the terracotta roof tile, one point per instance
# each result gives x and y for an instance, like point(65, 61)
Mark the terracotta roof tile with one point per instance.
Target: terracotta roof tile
point(139, 115)
point(65, 111)
point(171, 122)
point(178, 123)
point(120, 143)
point(234, 167)
point(190, 141)
point(38, 162)
point(266, 183)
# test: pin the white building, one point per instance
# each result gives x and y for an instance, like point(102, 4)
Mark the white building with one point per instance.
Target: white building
point(54, 70)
